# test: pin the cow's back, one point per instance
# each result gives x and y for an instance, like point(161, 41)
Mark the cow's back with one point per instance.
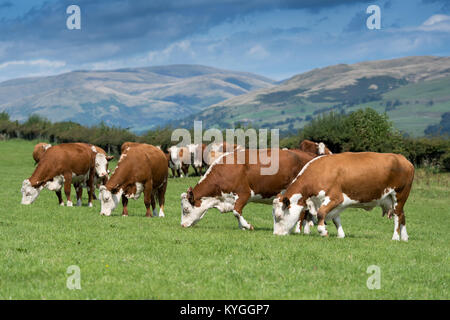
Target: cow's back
point(237, 169)
point(76, 158)
point(140, 163)
point(362, 176)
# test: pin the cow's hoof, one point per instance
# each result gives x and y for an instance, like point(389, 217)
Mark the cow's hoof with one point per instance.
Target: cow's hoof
point(69, 204)
point(251, 228)
point(90, 205)
point(62, 204)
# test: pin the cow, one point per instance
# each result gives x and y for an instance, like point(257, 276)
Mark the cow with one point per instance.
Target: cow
point(228, 184)
point(39, 150)
point(101, 162)
point(179, 160)
point(329, 184)
point(314, 147)
point(141, 168)
point(62, 165)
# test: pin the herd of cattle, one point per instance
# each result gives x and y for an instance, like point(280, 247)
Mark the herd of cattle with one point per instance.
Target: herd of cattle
point(311, 184)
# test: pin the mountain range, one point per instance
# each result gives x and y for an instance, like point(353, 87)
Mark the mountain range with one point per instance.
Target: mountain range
point(413, 91)
point(138, 98)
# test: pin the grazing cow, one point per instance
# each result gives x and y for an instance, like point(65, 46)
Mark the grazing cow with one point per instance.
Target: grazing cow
point(329, 184)
point(314, 147)
point(63, 165)
point(228, 185)
point(39, 150)
point(141, 168)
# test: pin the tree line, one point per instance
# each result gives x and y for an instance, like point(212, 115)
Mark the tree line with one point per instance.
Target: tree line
point(362, 130)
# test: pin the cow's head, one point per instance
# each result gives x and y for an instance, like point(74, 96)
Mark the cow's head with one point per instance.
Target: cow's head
point(29, 193)
point(101, 164)
point(108, 200)
point(192, 210)
point(286, 213)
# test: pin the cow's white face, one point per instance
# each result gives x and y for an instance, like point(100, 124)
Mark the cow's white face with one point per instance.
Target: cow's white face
point(286, 214)
point(29, 194)
point(108, 201)
point(174, 154)
point(101, 165)
point(190, 214)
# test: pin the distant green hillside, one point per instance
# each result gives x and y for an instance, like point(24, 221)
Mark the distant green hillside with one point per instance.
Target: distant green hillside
point(414, 91)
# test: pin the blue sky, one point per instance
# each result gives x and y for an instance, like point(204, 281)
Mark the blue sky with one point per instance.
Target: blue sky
point(277, 39)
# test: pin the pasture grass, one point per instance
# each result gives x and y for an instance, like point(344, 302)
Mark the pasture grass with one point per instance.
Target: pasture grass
point(141, 258)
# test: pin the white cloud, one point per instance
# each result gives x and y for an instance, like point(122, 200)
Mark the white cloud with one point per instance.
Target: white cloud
point(258, 52)
point(182, 48)
point(37, 63)
point(437, 22)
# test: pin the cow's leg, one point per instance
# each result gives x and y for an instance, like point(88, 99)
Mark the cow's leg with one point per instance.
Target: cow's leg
point(79, 190)
point(305, 222)
point(60, 199)
point(337, 223)
point(94, 197)
point(185, 169)
point(148, 198)
point(124, 205)
point(400, 222)
point(67, 187)
point(161, 199)
point(322, 213)
point(237, 211)
point(399, 215)
point(153, 203)
point(91, 186)
point(195, 170)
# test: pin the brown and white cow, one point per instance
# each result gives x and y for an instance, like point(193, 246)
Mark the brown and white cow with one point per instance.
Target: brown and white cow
point(39, 150)
point(64, 165)
point(228, 185)
point(142, 168)
point(329, 184)
point(317, 148)
point(179, 160)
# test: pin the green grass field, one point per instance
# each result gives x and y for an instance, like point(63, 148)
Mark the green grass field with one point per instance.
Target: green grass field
point(141, 258)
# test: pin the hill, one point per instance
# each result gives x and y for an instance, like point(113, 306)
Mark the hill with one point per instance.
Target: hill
point(134, 97)
point(414, 91)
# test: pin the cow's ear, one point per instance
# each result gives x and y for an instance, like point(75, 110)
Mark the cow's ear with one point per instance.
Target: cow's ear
point(286, 202)
point(109, 158)
point(190, 196)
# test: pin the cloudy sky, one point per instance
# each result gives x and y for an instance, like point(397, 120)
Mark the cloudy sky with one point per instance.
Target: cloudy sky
point(276, 39)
